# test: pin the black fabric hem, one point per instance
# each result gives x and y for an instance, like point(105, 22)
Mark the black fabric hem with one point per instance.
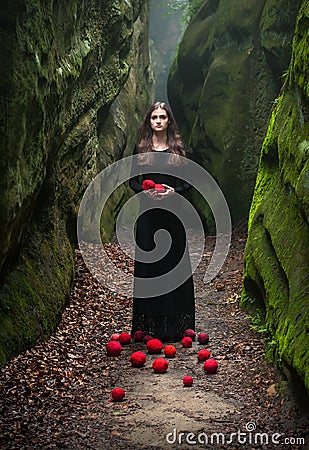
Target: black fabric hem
point(165, 328)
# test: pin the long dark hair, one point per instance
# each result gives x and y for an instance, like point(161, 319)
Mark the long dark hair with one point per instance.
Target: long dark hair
point(174, 142)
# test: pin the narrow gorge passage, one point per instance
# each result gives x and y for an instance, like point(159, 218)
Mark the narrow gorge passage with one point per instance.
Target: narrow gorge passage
point(76, 79)
point(57, 395)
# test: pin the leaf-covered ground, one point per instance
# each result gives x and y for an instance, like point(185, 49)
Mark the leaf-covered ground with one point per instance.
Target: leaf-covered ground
point(57, 394)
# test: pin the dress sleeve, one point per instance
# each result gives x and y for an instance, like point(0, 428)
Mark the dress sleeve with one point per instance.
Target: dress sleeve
point(182, 187)
point(134, 182)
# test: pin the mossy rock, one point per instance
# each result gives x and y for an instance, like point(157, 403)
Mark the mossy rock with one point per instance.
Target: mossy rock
point(277, 253)
point(60, 78)
point(222, 84)
point(35, 292)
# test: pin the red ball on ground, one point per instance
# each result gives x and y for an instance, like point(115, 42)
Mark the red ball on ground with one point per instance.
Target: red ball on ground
point(211, 365)
point(147, 338)
point(148, 184)
point(118, 394)
point(203, 354)
point(139, 336)
point(187, 380)
point(114, 337)
point(160, 365)
point(124, 338)
point(154, 346)
point(113, 348)
point(169, 351)
point(186, 342)
point(203, 338)
point(138, 359)
point(190, 333)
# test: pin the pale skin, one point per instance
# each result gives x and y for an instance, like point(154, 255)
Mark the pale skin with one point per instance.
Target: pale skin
point(159, 123)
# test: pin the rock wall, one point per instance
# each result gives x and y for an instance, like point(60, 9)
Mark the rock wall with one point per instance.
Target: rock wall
point(74, 79)
point(227, 73)
point(277, 252)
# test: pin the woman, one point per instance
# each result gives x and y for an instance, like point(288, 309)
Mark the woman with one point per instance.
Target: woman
point(167, 315)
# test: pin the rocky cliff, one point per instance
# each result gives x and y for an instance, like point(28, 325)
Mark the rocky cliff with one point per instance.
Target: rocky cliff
point(74, 75)
point(227, 73)
point(277, 253)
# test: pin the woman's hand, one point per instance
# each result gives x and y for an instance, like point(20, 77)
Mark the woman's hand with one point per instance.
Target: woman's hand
point(167, 193)
point(168, 190)
point(159, 195)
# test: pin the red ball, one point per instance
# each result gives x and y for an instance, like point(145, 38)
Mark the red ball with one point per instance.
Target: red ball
point(118, 394)
point(139, 336)
point(203, 338)
point(114, 337)
point(159, 188)
point(160, 365)
point(147, 338)
point(138, 359)
point(169, 351)
point(211, 365)
point(186, 342)
point(113, 348)
point(124, 338)
point(148, 184)
point(203, 354)
point(187, 380)
point(190, 333)
point(154, 346)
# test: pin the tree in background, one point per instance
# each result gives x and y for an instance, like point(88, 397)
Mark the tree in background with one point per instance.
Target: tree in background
point(187, 7)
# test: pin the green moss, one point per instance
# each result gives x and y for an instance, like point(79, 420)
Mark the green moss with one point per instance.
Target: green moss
point(275, 34)
point(222, 85)
point(63, 120)
point(33, 296)
point(299, 62)
point(277, 254)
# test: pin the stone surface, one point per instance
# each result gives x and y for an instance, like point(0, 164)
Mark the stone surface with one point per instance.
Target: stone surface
point(277, 253)
point(224, 79)
point(72, 75)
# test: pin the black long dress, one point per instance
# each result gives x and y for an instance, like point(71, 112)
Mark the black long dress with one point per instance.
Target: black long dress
point(167, 315)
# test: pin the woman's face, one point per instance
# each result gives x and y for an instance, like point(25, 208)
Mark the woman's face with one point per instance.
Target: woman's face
point(159, 120)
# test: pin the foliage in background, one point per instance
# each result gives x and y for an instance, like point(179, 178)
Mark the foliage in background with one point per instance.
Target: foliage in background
point(187, 7)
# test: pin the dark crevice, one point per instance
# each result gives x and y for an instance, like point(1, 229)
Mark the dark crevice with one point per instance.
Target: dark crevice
point(277, 64)
point(271, 157)
point(280, 272)
point(255, 290)
point(299, 393)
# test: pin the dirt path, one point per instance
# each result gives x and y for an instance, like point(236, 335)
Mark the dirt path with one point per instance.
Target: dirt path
point(57, 395)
